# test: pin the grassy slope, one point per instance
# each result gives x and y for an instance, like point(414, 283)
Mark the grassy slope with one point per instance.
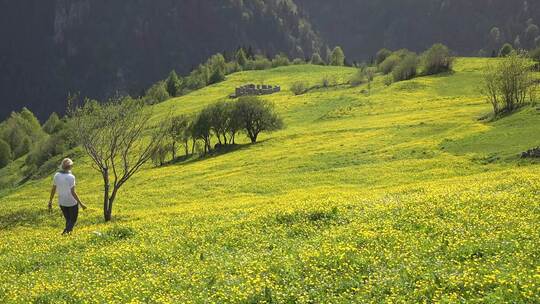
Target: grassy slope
point(399, 196)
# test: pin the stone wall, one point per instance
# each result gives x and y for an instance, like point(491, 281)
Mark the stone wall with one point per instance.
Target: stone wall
point(255, 90)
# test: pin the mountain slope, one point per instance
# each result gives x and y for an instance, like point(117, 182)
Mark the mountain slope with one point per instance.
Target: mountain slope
point(102, 47)
point(361, 198)
point(363, 27)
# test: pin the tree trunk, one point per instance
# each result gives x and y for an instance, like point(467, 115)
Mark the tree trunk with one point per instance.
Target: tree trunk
point(173, 150)
point(106, 200)
point(108, 217)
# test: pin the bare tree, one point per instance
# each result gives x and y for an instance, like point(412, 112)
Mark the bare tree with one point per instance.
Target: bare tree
point(119, 139)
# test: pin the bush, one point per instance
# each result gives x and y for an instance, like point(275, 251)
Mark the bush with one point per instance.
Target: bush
point(388, 65)
point(156, 94)
point(5, 154)
point(299, 87)
point(298, 61)
point(328, 81)
point(535, 54)
point(359, 77)
point(437, 60)
point(317, 59)
point(388, 80)
point(406, 69)
point(382, 55)
point(280, 60)
point(506, 50)
point(337, 57)
point(260, 63)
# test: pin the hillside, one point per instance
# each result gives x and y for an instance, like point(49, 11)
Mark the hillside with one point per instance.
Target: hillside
point(402, 195)
point(362, 27)
point(102, 47)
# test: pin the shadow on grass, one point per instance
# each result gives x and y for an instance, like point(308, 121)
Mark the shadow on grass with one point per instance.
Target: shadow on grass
point(26, 217)
point(216, 152)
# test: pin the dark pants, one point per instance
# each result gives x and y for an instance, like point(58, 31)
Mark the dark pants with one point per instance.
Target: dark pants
point(70, 214)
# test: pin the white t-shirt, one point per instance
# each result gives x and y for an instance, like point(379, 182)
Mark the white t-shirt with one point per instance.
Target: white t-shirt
point(64, 182)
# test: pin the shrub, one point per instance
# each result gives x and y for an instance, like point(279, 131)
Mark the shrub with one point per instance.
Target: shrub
point(388, 65)
point(317, 59)
point(382, 55)
point(506, 50)
point(406, 69)
point(5, 154)
point(328, 81)
point(535, 54)
point(156, 94)
point(388, 80)
point(437, 60)
point(280, 60)
point(299, 87)
point(359, 77)
point(298, 61)
point(259, 63)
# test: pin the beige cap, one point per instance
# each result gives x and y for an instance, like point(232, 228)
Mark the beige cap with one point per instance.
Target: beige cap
point(66, 163)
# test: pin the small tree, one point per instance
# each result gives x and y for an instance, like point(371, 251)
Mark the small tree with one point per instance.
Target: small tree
point(5, 154)
point(257, 115)
point(506, 50)
point(241, 58)
point(118, 137)
point(437, 60)
point(382, 55)
point(159, 154)
point(202, 129)
point(219, 120)
point(173, 84)
point(299, 87)
point(507, 84)
point(176, 132)
point(317, 59)
point(370, 73)
point(337, 58)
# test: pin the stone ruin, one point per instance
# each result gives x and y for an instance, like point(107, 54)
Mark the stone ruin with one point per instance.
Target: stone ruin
point(254, 90)
point(532, 153)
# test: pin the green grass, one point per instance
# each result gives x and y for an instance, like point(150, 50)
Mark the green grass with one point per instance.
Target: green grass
point(402, 195)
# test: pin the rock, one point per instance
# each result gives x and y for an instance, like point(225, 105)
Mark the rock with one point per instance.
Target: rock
point(532, 153)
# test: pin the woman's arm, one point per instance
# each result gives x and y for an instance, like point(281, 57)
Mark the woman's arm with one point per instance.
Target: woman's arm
point(53, 192)
point(76, 197)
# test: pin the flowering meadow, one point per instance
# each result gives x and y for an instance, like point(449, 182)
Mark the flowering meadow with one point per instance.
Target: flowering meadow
point(398, 195)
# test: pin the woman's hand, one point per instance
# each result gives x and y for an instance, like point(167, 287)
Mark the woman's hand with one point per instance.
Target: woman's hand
point(83, 206)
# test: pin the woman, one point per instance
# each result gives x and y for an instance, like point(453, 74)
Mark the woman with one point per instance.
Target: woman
point(68, 200)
